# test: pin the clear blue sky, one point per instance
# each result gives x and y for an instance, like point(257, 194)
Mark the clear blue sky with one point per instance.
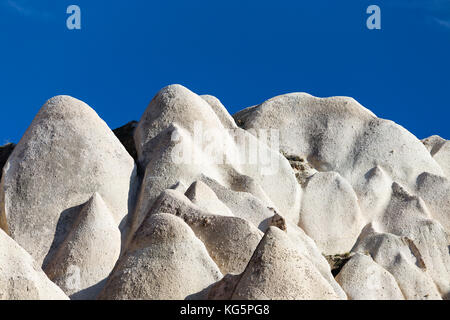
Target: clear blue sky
point(243, 52)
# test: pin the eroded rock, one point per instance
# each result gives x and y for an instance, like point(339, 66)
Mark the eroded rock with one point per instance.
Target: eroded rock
point(86, 257)
point(21, 277)
point(66, 155)
point(363, 279)
point(165, 260)
point(278, 271)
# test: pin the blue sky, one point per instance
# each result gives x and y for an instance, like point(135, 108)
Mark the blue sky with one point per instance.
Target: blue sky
point(243, 52)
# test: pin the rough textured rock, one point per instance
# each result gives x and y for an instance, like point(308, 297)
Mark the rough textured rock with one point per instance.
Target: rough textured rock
point(442, 157)
point(374, 193)
point(308, 248)
point(66, 155)
point(223, 289)
point(435, 190)
point(201, 195)
point(330, 213)
point(88, 254)
point(404, 212)
point(179, 186)
point(220, 110)
point(278, 221)
point(398, 182)
point(274, 198)
point(401, 258)
point(303, 170)
point(363, 279)
point(433, 143)
point(242, 204)
point(338, 134)
point(338, 261)
point(21, 278)
point(278, 271)
point(407, 216)
point(230, 241)
point(180, 137)
point(164, 261)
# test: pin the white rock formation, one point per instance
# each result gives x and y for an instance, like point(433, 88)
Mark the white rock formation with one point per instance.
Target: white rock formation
point(278, 271)
point(218, 207)
point(21, 278)
point(308, 248)
point(435, 190)
point(201, 195)
point(442, 157)
point(242, 204)
point(433, 143)
point(374, 193)
point(220, 110)
point(401, 258)
point(440, 150)
point(330, 213)
point(180, 137)
point(407, 216)
point(363, 279)
point(165, 260)
point(338, 134)
point(399, 182)
point(88, 254)
point(230, 241)
point(66, 155)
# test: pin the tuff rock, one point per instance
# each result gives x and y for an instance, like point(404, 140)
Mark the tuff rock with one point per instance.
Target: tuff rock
point(21, 278)
point(296, 198)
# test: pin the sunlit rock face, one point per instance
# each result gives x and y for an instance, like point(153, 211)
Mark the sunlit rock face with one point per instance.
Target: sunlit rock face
point(199, 204)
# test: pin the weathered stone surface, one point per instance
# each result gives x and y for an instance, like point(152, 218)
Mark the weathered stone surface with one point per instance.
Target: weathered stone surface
point(266, 198)
point(363, 279)
point(303, 170)
point(278, 271)
point(223, 289)
point(330, 213)
point(242, 204)
point(21, 278)
point(338, 134)
point(308, 248)
point(401, 258)
point(398, 183)
point(220, 110)
point(433, 143)
point(179, 186)
point(85, 258)
point(201, 195)
point(442, 157)
point(165, 260)
point(230, 241)
point(167, 141)
point(338, 261)
point(435, 190)
point(374, 193)
point(66, 155)
point(407, 216)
